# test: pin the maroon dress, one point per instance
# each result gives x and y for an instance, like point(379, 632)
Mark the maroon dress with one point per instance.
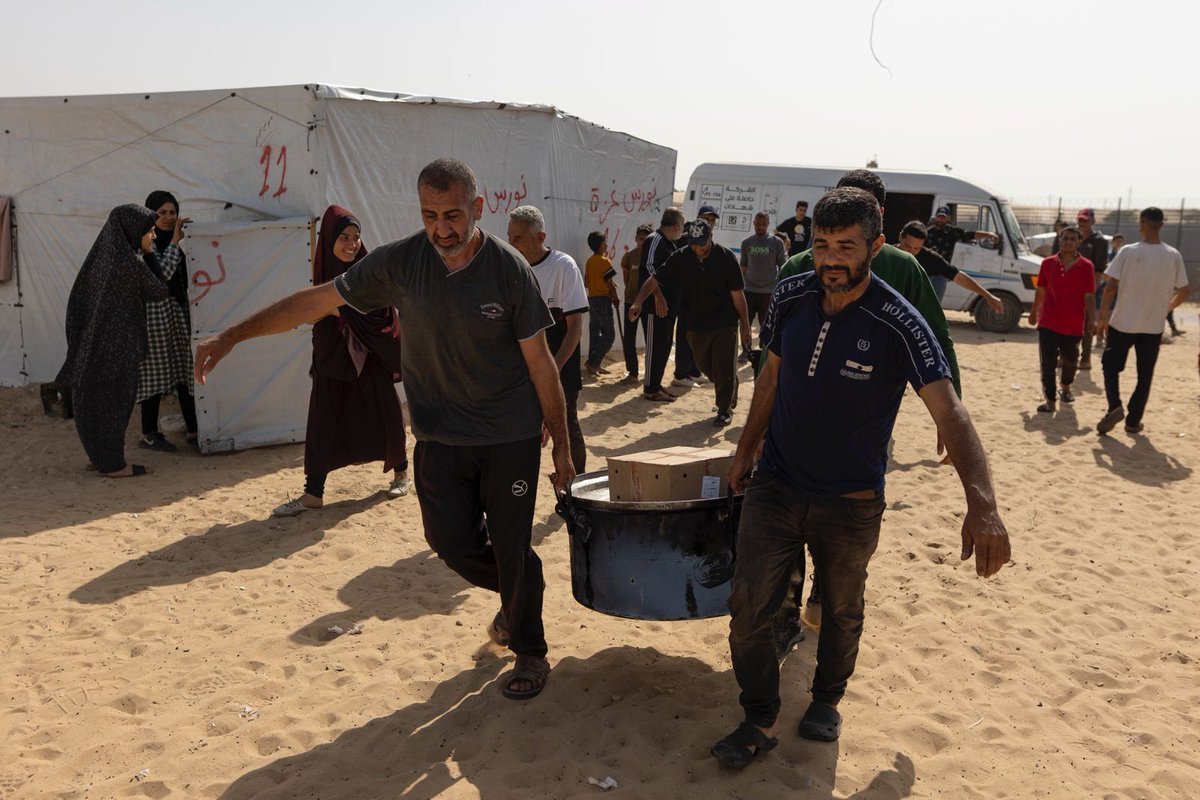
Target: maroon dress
point(354, 415)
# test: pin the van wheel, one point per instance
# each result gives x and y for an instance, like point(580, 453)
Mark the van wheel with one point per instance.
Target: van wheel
point(999, 323)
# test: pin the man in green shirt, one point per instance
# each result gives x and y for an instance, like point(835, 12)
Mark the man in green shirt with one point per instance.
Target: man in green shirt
point(902, 272)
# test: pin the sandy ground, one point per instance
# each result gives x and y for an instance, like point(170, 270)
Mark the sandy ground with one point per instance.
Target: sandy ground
point(162, 637)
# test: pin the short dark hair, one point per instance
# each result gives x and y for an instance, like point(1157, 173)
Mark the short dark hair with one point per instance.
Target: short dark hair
point(596, 241)
point(801, 204)
point(914, 229)
point(1120, 236)
point(1072, 229)
point(645, 229)
point(672, 216)
point(846, 207)
point(1153, 215)
point(762, 215)
point(445, 173)
point(868, 181)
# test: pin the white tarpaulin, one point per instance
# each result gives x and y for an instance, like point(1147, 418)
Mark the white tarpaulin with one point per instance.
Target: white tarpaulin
point(236, 270)
point(245, 156)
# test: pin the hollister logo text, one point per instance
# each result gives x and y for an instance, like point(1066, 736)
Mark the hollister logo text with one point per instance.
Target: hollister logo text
point(856, 371)
point(913, 327)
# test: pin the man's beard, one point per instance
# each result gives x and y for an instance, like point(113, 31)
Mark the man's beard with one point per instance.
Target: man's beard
point(854, 277)
point(455, 249)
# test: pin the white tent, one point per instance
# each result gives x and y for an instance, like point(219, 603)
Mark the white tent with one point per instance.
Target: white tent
point(254, 168)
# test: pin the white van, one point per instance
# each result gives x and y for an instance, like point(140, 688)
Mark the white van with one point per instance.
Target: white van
point(1009, 271)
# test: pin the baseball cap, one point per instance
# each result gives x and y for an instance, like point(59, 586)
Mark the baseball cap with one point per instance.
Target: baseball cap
point(942, 211)
point(699, 232)
point(707, 210)
point(1086, 213)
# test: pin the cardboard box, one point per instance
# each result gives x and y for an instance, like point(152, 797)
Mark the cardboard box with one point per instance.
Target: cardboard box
point(671, 473)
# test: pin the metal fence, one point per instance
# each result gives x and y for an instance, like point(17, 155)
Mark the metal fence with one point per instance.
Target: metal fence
point(1181, 227)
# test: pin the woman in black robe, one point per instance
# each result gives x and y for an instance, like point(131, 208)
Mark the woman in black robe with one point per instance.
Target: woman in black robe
point(354, 414)
point(106, 336)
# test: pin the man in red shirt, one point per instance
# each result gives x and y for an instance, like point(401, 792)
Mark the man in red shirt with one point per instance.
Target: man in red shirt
point(1064, 309)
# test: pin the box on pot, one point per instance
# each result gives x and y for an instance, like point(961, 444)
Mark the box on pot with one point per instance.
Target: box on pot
point(670, 473)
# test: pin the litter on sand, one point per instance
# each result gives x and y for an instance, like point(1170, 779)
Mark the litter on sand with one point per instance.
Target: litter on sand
point(606, 784)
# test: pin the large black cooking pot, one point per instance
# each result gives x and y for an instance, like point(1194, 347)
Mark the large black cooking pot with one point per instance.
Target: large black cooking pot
point(661, 560)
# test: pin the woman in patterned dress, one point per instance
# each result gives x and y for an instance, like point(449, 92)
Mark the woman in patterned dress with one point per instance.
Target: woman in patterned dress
point(167, 367)
point(106, 336)
point(354, 415)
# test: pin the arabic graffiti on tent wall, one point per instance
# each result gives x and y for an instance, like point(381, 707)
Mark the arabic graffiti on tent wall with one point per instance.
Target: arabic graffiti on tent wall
point(602, 203)
point(201, 279)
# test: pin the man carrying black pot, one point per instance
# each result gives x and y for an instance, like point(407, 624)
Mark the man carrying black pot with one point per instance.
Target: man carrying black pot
point(841, 345)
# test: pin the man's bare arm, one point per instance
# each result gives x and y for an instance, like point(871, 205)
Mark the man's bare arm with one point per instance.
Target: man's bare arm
point(983, 532)
point(283, 315)
point(647, 288)
point(967, 282)
point(570, 340)
point(1181, 296)
point(739, 303)
point(1106, 303)
point(554, 406)
point(761, 406)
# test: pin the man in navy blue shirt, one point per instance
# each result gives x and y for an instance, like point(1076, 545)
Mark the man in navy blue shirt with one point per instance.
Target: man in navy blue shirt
point(842, 346)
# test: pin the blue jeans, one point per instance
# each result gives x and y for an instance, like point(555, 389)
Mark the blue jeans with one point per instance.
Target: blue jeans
point(777, 523)
point(600, 329)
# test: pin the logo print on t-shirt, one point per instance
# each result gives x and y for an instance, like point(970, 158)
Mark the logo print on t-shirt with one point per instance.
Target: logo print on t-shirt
point(492, 310)
point(520, 488)
point(864, 345)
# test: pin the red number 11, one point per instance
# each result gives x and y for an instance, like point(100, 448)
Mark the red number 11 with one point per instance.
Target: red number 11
point(265, 160)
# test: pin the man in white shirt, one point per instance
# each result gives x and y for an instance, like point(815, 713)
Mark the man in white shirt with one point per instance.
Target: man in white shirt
point(561, 285)
point(1152, 281)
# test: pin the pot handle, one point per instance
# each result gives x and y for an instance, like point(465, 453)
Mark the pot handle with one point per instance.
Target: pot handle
point(726, 511)
point(576, 519)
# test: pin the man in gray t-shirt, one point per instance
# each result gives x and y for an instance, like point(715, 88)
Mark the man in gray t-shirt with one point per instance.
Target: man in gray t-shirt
point(762, 256)
point(480, 380)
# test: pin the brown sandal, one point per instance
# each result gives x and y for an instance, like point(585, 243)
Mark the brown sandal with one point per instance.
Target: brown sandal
point(532, 670)
point(498, 630)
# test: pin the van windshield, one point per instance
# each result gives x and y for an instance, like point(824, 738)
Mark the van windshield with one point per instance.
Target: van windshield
point(1014, 229)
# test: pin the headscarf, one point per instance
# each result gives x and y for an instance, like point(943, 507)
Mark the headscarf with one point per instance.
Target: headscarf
point(341, 346)
point(106, 312)
point(177, 286)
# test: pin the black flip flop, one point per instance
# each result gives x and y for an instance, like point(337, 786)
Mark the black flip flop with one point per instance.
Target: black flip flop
point(742, 746)
point(821, 722)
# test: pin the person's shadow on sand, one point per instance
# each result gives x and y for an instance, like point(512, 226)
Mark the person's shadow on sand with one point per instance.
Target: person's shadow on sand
point(643, 717)
point(1057, 427)
point(1141, 463)
point(222, 548)
point(412, 587)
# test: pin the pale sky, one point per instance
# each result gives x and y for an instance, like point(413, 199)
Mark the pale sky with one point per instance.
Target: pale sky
point(1032, 98)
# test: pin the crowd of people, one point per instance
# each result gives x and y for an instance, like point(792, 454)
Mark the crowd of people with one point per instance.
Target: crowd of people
point(846, 321)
